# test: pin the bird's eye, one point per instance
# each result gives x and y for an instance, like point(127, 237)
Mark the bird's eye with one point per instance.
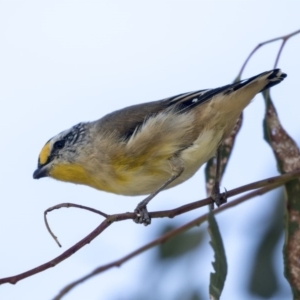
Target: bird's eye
point(59, 144)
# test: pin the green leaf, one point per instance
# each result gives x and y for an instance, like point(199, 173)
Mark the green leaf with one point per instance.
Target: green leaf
point(180, 244)
point(263, 276)
point(217, 279)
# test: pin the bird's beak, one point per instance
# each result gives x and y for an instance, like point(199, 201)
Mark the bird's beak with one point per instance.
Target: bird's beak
point(41, 172)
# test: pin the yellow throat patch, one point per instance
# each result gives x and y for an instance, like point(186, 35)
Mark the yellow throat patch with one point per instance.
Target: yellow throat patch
point(76, 174)
point(70, 172)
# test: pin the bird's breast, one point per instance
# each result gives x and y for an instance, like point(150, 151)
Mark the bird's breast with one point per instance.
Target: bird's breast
point(140, 176)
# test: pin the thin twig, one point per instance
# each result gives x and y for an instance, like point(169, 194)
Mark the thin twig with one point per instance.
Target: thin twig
point(164, 238)
point(284, 38)
point(281, 179)
point(279, 52)
point(187, 207)
point(64, 255)
point(270, 182)
point(67, 205)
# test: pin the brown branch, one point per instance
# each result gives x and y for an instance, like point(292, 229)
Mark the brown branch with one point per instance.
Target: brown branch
point(284, 38)
point(278, 180)
point(67, 205)
point(185, 208)
point(63, 256)
point(165, 237)
point(279, 52)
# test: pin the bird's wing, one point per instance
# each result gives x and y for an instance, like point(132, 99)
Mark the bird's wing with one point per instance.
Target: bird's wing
point(188, 101)
point(128, 120)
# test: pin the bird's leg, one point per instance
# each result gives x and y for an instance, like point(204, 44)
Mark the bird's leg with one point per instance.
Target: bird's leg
point(218, 198)
point(142, 215)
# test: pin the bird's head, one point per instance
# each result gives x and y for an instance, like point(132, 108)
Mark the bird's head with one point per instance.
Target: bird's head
point(60, 157)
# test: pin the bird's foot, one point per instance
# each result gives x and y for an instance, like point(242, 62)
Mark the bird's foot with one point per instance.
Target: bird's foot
point(218, 198)
point(142, 215)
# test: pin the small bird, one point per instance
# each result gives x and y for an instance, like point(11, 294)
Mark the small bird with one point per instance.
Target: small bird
point(146, 148)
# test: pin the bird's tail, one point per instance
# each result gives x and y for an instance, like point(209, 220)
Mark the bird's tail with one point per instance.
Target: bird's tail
point(270, 78)
point(274, 77)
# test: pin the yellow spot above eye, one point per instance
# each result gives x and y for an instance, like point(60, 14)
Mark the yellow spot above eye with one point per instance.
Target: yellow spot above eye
point(44, 154)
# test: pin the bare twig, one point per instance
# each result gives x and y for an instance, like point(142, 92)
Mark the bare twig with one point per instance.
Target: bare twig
point(67, 205)
point(182, 209)
point(164, 238)
point(284, 38)
point(274, 181)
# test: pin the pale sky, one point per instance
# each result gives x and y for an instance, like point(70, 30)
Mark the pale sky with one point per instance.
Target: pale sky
point(62, 62)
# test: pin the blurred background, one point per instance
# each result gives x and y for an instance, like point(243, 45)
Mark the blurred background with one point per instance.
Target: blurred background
point(62, 62)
